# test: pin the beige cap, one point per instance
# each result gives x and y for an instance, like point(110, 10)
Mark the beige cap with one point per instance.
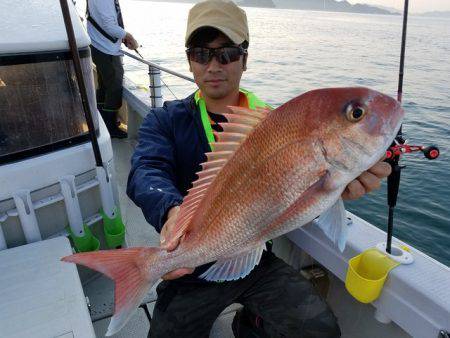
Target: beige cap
point(223, 15)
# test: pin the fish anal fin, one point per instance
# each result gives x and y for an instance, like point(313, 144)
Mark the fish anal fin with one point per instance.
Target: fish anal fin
point(235, 267)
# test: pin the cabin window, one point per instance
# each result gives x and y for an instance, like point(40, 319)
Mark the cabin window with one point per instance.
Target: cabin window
point(40, 105)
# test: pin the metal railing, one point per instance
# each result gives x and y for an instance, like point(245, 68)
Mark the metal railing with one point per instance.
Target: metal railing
point(154, 73)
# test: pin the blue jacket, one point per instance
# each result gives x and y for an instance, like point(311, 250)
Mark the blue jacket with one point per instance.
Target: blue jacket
point(172, 144)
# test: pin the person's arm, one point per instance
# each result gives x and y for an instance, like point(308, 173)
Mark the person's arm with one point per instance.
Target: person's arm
point(152, 179)
point(108, 18)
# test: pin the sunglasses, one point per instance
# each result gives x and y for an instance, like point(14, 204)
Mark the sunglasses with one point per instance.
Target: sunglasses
point(224, 55)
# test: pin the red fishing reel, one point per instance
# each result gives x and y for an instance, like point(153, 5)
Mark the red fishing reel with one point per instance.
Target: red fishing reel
point(430, 152)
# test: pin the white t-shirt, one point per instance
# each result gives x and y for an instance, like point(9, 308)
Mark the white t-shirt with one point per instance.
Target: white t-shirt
point(104, 14)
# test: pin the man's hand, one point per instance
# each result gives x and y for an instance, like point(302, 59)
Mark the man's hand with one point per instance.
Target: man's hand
point(367, 181)
point(130, 41)
point(169, 244)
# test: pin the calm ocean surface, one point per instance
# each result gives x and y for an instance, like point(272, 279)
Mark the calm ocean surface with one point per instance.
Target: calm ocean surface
point(294, 51)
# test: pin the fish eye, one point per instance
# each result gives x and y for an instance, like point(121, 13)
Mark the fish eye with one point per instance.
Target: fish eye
point(355, 112)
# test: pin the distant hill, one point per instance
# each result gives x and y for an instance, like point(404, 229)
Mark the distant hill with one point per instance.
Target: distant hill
point(257, 3)
point(436, 14)
point(315, 5)
point(391, 9)
point(331, 6)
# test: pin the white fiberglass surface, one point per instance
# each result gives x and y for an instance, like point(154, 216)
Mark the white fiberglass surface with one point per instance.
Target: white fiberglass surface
point(36, 25)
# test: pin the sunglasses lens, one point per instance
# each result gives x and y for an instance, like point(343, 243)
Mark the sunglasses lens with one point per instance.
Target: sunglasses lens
point(227, 55)
point(224, 55)
point(199, 55)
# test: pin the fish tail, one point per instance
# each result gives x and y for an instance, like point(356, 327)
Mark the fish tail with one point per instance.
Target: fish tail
point(127, 268)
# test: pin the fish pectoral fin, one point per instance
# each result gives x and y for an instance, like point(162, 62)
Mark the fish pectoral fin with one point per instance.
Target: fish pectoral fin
point(334, 224)
point(235, 267)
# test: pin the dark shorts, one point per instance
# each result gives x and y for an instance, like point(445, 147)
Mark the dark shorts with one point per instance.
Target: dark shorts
point(286, 302)
point(109, 78)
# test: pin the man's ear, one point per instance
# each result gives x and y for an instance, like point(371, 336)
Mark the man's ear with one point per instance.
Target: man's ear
point(244, 62)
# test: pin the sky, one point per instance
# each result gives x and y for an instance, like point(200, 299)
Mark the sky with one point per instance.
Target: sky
point(416, 6)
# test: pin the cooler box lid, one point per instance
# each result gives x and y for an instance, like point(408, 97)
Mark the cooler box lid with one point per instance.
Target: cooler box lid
point(40, 296)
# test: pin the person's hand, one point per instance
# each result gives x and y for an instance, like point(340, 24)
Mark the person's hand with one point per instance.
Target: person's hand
point(171, 244)
point(130, 41)
point(367, 181)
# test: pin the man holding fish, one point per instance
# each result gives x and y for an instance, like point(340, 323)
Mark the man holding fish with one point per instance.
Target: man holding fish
point(277, 300)
point(218, 174)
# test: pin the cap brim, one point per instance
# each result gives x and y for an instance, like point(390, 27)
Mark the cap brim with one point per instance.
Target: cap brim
point(227, 32)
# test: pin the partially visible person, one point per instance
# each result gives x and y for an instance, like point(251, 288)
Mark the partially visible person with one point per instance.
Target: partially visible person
point(106, 30)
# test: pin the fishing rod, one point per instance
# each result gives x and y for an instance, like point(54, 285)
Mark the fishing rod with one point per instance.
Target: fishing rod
point(399, 146)
point(137, 52)
point(80, 80)
point(113, 226)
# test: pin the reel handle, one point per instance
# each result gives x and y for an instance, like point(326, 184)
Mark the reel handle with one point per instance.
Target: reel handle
point(431, 152)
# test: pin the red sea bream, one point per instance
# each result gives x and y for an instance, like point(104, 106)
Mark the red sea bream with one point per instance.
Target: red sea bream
point(269, 173)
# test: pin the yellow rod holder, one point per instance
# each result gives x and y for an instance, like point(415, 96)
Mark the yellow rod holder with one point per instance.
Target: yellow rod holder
point(368, 271)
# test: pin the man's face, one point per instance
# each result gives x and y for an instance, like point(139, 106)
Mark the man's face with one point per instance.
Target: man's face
point(214, 79)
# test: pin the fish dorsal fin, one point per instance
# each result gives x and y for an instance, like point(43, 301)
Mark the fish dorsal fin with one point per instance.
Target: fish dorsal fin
point(242, 119)
point(241, 122)
point(213, 164)
point(229, 137)
point(235, 267)
point(218, 155)
point(258, 113)
point(225, 146)
point(229, 127)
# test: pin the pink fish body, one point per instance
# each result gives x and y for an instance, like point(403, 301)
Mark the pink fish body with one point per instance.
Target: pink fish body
point(269, 173)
